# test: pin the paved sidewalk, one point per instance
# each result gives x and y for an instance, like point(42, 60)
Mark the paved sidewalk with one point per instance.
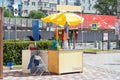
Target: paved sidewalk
point(107, 61)
point(93, 70)
point(89, 73)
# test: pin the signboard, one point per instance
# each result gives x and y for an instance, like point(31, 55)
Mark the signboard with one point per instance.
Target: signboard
point(8, 25)
point(94, 26)
point(119, 32)
point(105, 36)
point(68, 8)
point(35, 25)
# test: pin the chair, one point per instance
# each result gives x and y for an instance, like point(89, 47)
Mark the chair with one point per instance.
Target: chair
point(41, 67)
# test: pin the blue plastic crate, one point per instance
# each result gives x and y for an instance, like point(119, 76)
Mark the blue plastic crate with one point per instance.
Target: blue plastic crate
point(9, 64)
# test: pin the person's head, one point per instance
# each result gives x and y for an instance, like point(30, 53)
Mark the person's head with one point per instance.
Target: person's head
point(31, 47)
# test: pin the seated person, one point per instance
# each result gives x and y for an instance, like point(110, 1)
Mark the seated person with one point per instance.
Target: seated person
point(33, 60)
point(31, 47)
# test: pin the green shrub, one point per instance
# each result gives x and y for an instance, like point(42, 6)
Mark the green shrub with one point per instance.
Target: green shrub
point(12, 49)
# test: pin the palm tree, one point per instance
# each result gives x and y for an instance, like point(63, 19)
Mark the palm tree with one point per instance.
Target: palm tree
point(106, 7)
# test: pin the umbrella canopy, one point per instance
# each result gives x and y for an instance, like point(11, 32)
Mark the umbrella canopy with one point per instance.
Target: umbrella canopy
point(64, 17)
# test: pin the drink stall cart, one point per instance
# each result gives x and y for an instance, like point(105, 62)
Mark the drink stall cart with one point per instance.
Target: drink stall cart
point(64, 59)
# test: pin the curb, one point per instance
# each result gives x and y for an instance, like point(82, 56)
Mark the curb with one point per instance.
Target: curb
point(13, 68)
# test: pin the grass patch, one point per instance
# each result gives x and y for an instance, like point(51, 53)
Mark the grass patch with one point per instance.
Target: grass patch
point(91, 50)
point(99, 50)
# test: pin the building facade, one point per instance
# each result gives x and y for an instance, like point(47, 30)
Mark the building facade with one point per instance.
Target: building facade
point(14, 6)
point(87, 6)
point(28, 5)
point(3, 3)
point(49, 6)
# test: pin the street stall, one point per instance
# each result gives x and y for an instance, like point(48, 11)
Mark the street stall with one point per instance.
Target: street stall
point(64, 59)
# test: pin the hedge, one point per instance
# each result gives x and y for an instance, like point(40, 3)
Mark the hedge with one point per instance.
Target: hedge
point(12, 49)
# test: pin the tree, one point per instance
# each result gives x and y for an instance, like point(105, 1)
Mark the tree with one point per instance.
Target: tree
point(7, 13)
point(106, 7)
point(36, 14)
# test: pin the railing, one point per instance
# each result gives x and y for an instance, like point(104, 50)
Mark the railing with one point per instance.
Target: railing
point(19, 23)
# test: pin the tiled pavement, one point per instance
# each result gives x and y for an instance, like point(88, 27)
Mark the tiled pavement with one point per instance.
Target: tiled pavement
point(90, 72)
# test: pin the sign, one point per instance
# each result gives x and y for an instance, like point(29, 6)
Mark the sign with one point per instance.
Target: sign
point(8, 25)
point(36, 33)
point(105, 36)
point(119, 32)
point(94, 26)
point(68, 8)
point(116, 27)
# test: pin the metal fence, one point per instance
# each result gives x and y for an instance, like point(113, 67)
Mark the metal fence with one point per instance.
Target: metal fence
point(22, 27)
point(25, 22)
point(20, 23)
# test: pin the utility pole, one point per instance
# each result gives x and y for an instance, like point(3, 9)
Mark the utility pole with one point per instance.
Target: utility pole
point(1, 43)
point(118, 17)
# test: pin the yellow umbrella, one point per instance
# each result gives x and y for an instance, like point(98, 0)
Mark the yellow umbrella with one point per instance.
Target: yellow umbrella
point(64, 17)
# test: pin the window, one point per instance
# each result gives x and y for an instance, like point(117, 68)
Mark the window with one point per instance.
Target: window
point(58, 1)
point(83, 8)
point(12, 1)
point(46, 5)
point(118, 2)
point(89, 7)
point(76, 2)
point(39, 3)
point(88, 1)
point(92, 8)
point(62, 2)
point(53, 5)
point(26, 3)
point(33, 3)
point(83, 1)
point(16, 11)
point(72, 0)
point(26, 11)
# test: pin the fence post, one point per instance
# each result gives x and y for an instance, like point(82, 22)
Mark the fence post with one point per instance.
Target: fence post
point(15, 30)
point(1, 43)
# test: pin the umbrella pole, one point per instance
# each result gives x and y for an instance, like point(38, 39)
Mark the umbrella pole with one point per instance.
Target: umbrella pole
point(67, 32)
point(57, 32)
point(58, 37)
point(73, 39)
point(68, 37)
